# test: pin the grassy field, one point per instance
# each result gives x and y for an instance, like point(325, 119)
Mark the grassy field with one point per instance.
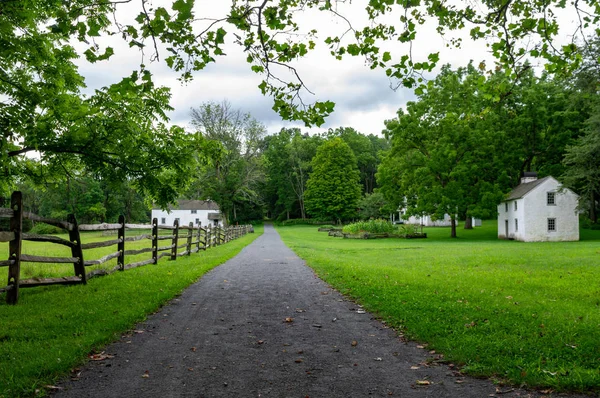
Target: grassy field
point(527, 313)
point(54, 328)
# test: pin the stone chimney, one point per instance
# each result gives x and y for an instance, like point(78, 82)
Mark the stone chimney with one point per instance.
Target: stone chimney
point(528, 176)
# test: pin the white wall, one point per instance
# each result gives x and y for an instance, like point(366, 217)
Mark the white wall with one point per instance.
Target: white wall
point(511, 215)
point(185, 217)
point(538, 212)
point(533, 212)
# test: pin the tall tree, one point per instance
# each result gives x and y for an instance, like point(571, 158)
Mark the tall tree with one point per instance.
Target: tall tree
point(440, 159)
point(366, 149)
point(289, 155)
point(231, 169)
point(333, 188)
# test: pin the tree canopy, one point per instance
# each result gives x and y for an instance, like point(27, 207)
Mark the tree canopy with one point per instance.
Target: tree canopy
point(333, 189)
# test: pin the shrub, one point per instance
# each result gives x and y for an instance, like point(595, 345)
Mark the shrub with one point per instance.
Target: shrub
point(45, 229)
point(378, 226)
point(299, 221)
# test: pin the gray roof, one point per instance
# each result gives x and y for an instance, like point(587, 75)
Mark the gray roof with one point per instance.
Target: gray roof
point(523, 189)
point(195, 205)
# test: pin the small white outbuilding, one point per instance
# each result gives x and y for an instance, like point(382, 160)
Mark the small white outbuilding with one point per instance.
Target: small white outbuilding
point(204, 212)
point(539, 210)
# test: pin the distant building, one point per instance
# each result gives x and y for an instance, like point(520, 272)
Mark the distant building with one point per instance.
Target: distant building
point(202, 212)
point(423, 219)
point(539, 210)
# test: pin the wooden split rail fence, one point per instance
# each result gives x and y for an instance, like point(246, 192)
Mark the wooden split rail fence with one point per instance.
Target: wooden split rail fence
point(196, 239)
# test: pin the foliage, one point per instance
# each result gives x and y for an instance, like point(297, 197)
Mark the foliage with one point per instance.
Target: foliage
point(439, 162)
point(366, 150)
point(98, 312)
point(288, 156)
point(299, 221)
point(377, 226)
point(521, 312)
point(45, 229)
point(373, 205)
point(332, 190)
point(230, 170)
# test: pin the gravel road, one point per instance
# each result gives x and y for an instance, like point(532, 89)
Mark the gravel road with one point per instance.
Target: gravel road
point(263, 325)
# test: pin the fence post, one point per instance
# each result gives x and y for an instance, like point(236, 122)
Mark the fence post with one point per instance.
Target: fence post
point(198, 237)
point(155, 240)
point(189, 238)
point(14, 247)
point(174, 240)
point(76, 250)
point(121, 244)
point(207, 237)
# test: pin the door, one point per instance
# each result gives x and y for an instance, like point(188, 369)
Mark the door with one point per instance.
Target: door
point(506, 228)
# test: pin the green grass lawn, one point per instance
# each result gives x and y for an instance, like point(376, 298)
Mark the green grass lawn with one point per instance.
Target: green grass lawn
point(54, 328)
point(527, 313)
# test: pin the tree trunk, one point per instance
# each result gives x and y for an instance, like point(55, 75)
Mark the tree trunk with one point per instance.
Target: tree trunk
point(302, 212)
point(593, 213)
point(453, 224)
point(468, 222)
point(288, 214)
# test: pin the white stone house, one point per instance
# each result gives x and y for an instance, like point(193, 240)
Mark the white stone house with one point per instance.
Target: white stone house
point(202, 212)
point(539, 210)
point(424, 219)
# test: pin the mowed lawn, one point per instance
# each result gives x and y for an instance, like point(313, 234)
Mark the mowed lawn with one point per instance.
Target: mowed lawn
point(527, 313)
point(53, 329)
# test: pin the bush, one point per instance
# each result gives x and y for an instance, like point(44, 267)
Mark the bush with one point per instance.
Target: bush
point(378, 226)
point(45, 229)
point(299, 221)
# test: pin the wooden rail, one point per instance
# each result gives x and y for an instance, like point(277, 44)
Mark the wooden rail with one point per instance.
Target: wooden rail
point(193, 240)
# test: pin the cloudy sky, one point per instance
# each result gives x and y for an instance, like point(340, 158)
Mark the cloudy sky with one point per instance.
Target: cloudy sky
point(363, 97)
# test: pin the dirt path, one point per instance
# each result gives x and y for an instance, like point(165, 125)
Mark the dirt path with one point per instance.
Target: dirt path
point(262, 325)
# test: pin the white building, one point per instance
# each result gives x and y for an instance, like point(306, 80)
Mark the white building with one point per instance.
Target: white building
point(539, 210)
point(203, 212)
point(424, 219)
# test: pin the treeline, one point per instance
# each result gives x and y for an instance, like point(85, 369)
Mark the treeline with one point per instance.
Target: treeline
point(457, 149)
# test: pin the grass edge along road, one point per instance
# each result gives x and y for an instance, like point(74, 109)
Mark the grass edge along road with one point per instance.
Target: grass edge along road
point(54, 328)
point(527, 313)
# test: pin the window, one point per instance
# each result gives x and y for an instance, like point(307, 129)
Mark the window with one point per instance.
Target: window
point(516, 225)
point(163, 220)
point(177, 219)
point(515, 205)
point(551, 198)
point(197, 221)
point(506, 207)
point(552, 225)
point(194, 211)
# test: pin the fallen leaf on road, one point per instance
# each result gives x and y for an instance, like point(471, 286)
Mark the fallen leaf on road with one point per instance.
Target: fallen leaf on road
point(193, 349)
point(260, 341)
point(146, 374)
point(139, 331)
point(289, 319)
point(423, 382)
point(100, 357)
point(378, 359)
point(191, 369)
point(415, 367)
point(354, 343)
point(299, 360)
point(299, 310)
point(361, 311)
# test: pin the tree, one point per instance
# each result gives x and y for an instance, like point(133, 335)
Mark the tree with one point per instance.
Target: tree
point(366, 149)
point(373, 205)
point(333, 190)
point(231, 170)
point(120, 131)
point(289, 155)
point(583, 166)
point(442, 158)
